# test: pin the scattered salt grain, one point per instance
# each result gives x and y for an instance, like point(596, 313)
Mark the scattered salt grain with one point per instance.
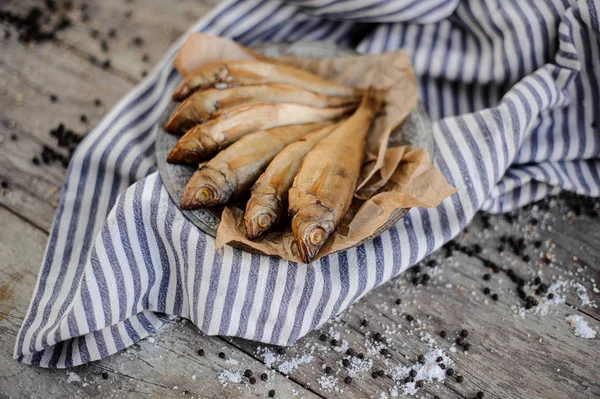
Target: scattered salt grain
point(328, 383)
point(342, 347)
point(73, 377)
point(582, 328)
point(269, 357)
point(582, 294)
point(429, 370)
point(151, 340)
point(227, 376)
point(232, 362)
point(291, 365)
point(358, 366)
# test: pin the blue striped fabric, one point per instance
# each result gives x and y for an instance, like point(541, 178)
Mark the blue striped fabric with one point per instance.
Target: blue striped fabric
point(512, 88)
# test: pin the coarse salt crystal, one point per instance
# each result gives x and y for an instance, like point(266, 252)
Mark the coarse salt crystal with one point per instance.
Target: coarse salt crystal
point(227, 376)
point(582, 328)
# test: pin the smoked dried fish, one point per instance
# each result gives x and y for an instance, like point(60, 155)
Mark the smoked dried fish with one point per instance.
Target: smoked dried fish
point(207, 139)
point(200, 106)
point(324, 187)
point(236, 168)
point(224, 74)
point(267, 205)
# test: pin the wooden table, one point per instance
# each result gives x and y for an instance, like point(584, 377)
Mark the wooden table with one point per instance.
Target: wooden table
point(511, 356)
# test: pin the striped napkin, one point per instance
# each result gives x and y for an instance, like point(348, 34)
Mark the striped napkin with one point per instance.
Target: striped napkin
point(512, 88)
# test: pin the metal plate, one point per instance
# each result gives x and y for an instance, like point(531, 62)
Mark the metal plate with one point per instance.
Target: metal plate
point(415, 131)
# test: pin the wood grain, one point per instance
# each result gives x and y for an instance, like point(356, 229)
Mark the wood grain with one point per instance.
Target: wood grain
point(511, 356)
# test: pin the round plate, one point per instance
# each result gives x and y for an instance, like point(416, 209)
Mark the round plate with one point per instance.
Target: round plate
point(415, 131)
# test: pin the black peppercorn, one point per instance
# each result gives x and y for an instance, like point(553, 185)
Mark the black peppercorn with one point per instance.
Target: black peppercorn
point(412, 373)
point(374, 374)
point(487, 277)
point(364, 323)
point(105, 375)
point(272, 393)
point(450, 371)
point(281, 350)
point(408, 379)
point(550, 296)
point(83, 118)
point(442, 366)
point(222, 355)
point(361, 356)
point(495, 297)
point(200, 352)
point(264, 376)
point(322, 337)
point(443, 334)
point(378, 336)
point(526, 258)
point(486, 290)
point(350, 352)
point(334, 342)
point(97, 102)
point(348, 380)
point(381, 373)
point(467, 346)
point(460, 341)
point(328, 370)
point(409, 317)
point(439, 359)
point(464, 333)
point(419, 384)
point(480, 395)
point(420, 358)
point(252, 380)
point(384, 352)
point(346, 362)
point(459, 378)
point(398, 301)
point(248, 373)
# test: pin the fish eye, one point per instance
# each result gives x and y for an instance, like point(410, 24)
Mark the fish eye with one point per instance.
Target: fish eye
point(190, 156)
point(203, 194)
point(264, 220)
point(316, 236)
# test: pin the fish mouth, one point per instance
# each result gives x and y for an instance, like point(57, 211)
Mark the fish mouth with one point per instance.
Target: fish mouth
point(184, 156)
point(310, 237)
point(181, 92)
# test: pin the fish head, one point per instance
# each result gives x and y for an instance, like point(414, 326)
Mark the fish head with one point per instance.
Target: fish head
point(203, 78)
point(207, 187)
point(262, 213)
point(186, 151)
point(183, 119)
point(311, 230)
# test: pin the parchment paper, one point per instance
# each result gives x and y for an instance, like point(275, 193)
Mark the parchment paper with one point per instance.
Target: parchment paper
point(391, 179)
